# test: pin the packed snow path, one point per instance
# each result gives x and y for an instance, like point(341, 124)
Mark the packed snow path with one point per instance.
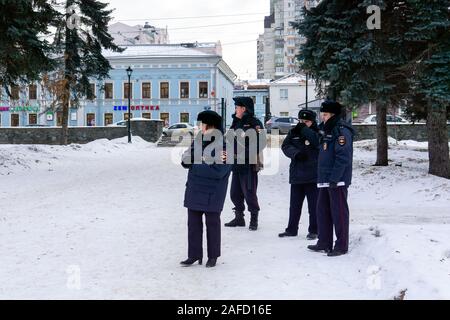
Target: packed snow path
point(106, 221)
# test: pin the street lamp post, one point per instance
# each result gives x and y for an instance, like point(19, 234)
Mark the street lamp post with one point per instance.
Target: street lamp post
point(129, 72)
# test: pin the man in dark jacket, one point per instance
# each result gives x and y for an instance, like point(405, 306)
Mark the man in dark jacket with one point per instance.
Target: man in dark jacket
point(206, 188)
point(302, 147)
point(334, 179)
point(244, 182)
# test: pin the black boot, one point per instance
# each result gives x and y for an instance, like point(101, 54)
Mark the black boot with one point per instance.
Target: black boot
point(191, 261)
point(312, 236)
point(254, 221)
point(318, 248)
point(238, 221)
point(211, 262)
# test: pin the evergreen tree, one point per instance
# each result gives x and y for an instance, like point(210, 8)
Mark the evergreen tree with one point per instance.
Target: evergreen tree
point(80, 39)
point(24, 52)
point(429, 68)
point(356, 64)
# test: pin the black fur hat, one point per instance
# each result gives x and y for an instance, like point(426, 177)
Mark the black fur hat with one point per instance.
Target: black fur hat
point(331, 106)
point(246, 102)
point(210, 118)
point(306, 114)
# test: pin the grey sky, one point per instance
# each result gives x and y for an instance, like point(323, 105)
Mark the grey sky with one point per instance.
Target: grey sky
point(245, 28)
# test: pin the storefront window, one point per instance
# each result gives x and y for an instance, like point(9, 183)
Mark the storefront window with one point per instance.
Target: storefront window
point(32, 118)
point(14, 120)
point(108, 119)
point(184, 117)
point(90, 119)
point(147, 115)
point(166, 118)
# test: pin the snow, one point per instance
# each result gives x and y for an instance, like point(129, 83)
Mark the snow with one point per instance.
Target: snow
point(105, 221)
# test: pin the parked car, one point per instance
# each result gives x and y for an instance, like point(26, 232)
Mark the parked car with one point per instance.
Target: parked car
point(284, 124)
point(389, 118)
point(124, 123)
point(180, 129)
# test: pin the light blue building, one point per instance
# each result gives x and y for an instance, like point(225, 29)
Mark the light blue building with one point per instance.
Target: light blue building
point(169, 82)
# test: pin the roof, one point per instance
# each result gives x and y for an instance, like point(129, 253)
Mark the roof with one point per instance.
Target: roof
point(293, 78)
point(158, 50)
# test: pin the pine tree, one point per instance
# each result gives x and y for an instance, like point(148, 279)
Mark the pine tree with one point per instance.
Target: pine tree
point(356, 64)
point(429, 68)
point(24, 52)
point(80, 39)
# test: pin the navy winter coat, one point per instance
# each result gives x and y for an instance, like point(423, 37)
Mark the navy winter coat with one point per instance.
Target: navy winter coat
point(206, 185)
point(247, 122)
point(302, 142)
point(336, 152)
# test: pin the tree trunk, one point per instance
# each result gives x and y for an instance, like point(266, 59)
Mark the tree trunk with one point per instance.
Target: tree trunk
point(382, 135)
point(438, 150)
point(65, 112)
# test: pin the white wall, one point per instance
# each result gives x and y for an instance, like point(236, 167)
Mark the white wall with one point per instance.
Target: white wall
point(296, 96)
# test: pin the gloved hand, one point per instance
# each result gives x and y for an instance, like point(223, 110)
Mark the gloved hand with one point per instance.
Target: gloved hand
point(186, 166)
point(301, 157)
point(333, 185)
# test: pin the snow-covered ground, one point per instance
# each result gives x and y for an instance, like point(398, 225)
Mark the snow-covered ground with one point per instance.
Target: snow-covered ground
point(105, 221)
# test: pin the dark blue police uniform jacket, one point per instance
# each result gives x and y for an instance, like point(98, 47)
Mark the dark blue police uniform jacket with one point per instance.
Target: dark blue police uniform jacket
point(247, 122)
point(206, 185)
point(303, 141)
point(336, 152)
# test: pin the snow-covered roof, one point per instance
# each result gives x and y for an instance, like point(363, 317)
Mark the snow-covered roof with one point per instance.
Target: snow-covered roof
point(157, 50)
point(292, 78)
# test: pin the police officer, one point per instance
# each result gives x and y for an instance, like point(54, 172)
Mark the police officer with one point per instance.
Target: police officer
point(206, 189)
point(334, 178)
point(244, 183)
point(302, 147)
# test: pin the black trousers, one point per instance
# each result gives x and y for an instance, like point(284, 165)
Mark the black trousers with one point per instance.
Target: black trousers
point(244, 185)
point(298, 194)
point(195, 234)
point(332, 211)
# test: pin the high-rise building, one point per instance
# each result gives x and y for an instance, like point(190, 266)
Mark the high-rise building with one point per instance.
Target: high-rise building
point(279, 45)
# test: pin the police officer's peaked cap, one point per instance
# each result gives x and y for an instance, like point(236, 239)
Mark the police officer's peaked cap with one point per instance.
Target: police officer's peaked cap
point(331, 106)
point(210, 118)
point(244, 102)
point(305, 114)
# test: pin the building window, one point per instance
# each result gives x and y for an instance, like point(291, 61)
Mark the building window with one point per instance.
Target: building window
point(184, 90)
point(147, 115)
point(127, 88)
point(203, 90)
point(90, 120)
point(284, 114)
point(32, 92)
point(265, 99)
point(125, 116)
point(146, 90)
point(164, 90)
point(284, 94)
point(14, 120)
point(15, 92)
point(165, 117)
point(91, 95)
point(109, 91)
point(32, 118)
point(108, 119)
point(254, 99)
point(184, 117)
